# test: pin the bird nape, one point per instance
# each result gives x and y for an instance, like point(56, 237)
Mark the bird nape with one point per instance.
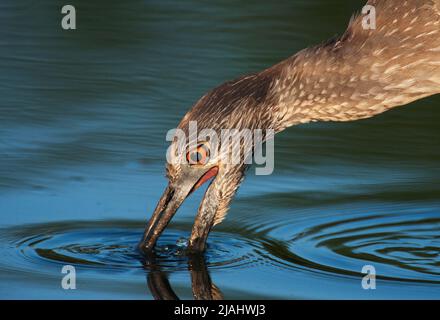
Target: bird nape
point(364, 72)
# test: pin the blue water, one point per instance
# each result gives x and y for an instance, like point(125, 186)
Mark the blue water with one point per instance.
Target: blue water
point(83, 118)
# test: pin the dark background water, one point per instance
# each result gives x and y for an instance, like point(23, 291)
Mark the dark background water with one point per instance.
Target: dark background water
point(83, 118)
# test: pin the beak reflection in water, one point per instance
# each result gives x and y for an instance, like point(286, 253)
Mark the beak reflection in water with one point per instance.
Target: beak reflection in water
point(202, 286)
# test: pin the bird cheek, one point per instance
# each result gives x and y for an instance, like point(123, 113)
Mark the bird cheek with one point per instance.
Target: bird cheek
point(204, 219)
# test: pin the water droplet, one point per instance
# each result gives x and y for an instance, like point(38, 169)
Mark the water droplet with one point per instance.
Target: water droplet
point(182, 242)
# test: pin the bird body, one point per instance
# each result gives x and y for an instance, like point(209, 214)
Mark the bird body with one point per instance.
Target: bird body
point(360, 74)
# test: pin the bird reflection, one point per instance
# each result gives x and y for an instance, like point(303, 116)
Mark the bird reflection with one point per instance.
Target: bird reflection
point(160, 287)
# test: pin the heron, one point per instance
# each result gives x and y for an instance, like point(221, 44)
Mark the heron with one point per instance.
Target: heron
point(360, 74)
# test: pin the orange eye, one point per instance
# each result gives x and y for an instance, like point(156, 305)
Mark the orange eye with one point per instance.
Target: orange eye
point(198, 156)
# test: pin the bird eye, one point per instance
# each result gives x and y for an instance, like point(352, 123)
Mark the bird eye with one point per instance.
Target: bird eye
point(198, 156)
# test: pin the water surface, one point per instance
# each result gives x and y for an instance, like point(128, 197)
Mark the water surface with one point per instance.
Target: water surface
point(83, 118)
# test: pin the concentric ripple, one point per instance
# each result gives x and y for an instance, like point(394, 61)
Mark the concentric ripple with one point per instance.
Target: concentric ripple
point(404, 248)
point(401, 248)
point(112, 246)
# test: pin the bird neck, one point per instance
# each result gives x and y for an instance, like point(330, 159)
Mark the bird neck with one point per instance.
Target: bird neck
point(363, 72)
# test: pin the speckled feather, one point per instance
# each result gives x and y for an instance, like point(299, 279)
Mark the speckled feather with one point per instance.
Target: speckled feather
point(364, 72)
point(358, 75)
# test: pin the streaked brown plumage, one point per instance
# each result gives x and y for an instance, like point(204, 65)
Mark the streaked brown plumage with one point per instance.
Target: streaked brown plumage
point(361, 74)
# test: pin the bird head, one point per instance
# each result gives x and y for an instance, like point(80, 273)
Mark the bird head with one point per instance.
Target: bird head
point(194, 159)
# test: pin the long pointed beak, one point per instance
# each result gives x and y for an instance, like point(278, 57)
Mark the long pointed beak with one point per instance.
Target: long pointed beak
point(165, 210)
point(168, 204)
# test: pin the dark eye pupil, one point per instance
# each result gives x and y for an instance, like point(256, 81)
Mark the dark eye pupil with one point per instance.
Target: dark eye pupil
point(196, 157)
point(199, 155)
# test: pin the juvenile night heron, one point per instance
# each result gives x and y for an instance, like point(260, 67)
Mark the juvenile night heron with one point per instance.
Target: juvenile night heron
point(361, 74)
